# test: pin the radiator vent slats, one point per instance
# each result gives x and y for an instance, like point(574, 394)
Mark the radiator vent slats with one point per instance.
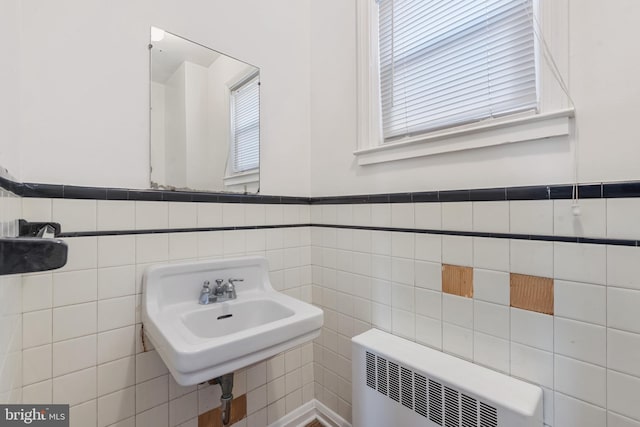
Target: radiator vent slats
point(441, 404)
point(394, 382)
point(371, 370)
point(421, 395)
point(382, 376)
point(469, 411)
point(407, 387)
point(435, 402)
point(451, 407)
point(488, 415)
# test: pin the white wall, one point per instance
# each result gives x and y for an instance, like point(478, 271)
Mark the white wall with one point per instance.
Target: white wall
point(603, 82)
point(157, 130)
point(9, 86)
point(222, 75)
point(85, 86)
point(219, 110)
point(175, 129)
point(199, 171)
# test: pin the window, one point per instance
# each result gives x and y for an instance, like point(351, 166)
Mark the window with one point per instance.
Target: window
point(448, 63)
point(245, 126)
point(437, 76)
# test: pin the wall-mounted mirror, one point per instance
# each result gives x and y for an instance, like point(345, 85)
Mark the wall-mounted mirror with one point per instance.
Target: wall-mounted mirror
point(205, 118)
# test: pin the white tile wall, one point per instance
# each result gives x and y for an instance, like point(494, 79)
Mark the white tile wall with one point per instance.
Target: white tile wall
point(428, 216)
point(11, 325)
point(491, 217)
point(532, 329)
point(457, 250)
point(491, 352)
point(573, 412)
point(580, 301)
point(79, 327)
point(585, 357)
point(580, 263)
point(81, 323)
point(79, 214)
point(491, 254)
point(531, 217)
point(491, 286)
point(591, 222)
point(532, 257)
point(458, 216)
point(580, 340)
point(622, 218)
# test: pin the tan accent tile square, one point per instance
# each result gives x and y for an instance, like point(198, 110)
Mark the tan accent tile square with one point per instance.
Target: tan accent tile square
point(532, 293)
point(457, 280)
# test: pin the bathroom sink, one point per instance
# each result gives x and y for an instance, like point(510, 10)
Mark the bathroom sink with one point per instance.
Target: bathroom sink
point(199, 342)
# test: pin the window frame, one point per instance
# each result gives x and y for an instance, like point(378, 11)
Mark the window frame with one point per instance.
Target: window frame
point(233, 177)
point(553, 118)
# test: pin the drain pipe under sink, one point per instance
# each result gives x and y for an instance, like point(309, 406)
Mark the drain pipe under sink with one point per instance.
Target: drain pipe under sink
point(226, 384)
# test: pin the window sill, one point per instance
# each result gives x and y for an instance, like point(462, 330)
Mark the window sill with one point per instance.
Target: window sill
point(243, 178)
point(529, 128)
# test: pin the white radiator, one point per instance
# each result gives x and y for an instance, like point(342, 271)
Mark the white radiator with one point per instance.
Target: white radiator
point(399, 383)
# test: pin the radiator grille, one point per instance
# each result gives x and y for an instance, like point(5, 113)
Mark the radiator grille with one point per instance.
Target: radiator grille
point(451, 407)
point(421, 395)
point(407, 387)
point(488, 415)
point(382, 376)
point(394, 382)
point(371, 370)
point(435, 402)
point(469, 411)
point(441, 404)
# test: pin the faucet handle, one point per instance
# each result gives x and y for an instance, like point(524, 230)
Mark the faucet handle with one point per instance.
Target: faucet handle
point(231, 288)
point(205, 293)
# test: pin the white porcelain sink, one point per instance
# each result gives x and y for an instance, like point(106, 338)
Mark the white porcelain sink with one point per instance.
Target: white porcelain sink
point(200, 342)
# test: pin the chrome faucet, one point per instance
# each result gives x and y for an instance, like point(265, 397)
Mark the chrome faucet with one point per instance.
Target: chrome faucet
point(219, 293)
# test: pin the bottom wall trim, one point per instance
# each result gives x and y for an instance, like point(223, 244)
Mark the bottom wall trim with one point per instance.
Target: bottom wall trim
point(306, 413)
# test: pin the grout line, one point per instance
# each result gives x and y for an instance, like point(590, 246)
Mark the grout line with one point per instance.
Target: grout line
point(606, 329)
point(553, 318)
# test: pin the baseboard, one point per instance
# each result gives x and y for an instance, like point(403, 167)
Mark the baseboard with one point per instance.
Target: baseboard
point(308, 412)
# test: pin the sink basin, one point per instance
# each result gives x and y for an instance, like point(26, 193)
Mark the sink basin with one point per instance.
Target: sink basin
point(200, 342)
point(228, 319)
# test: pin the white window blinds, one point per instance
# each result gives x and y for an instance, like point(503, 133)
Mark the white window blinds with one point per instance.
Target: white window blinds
point(449, 62)
point(245, 126)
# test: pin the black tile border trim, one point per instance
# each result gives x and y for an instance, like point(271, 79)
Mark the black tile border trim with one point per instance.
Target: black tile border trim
point(55, 191)
point(532, 237)
point(539, 192)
